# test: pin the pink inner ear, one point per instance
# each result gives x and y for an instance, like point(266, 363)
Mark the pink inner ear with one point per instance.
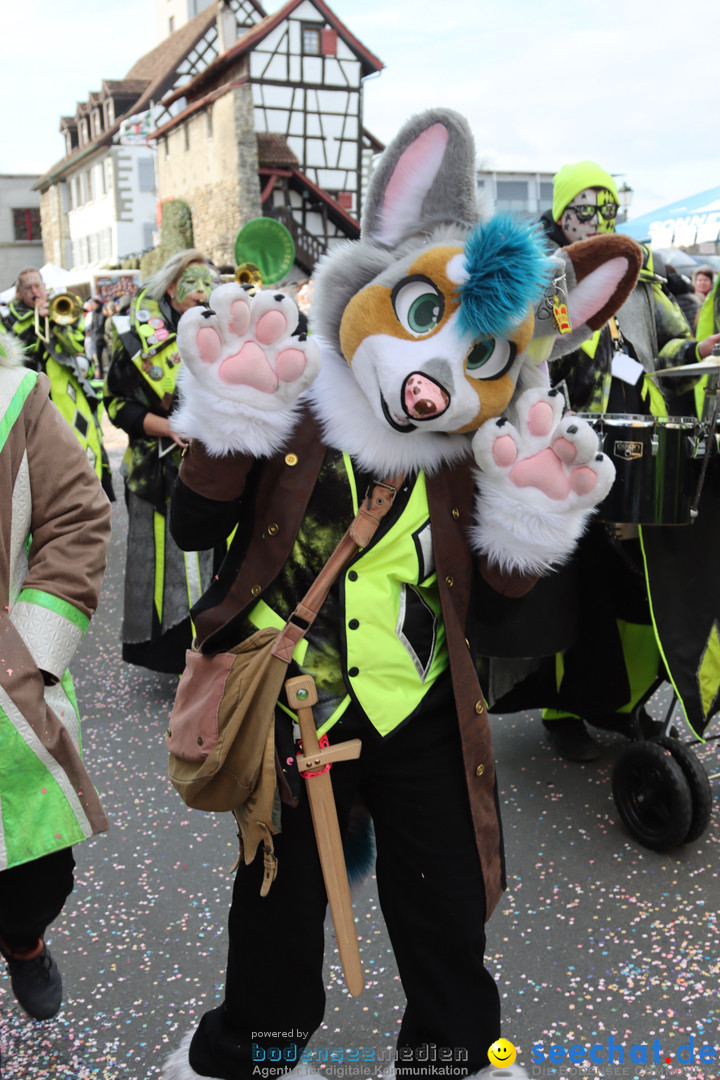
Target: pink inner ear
point(410, 182)
point(595, 290)
point(209, 344)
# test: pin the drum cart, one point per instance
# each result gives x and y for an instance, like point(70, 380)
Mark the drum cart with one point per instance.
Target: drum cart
point(661, 789)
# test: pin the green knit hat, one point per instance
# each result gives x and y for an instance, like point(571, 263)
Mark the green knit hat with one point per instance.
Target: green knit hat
point(572, 179)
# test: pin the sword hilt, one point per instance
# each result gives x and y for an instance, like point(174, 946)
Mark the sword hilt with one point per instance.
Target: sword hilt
point(302, 695)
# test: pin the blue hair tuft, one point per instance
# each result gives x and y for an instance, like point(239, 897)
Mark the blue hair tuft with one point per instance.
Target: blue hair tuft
point(508, 274)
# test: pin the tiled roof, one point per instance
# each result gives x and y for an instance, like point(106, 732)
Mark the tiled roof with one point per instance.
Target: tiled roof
point(273, 151)
point(124, 86)
point(370, 63)
point(155, 72)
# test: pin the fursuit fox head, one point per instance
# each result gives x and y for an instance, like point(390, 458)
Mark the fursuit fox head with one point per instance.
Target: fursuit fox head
point(433, 322)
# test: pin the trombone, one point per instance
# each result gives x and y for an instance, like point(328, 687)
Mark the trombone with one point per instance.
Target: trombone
point(63, 308)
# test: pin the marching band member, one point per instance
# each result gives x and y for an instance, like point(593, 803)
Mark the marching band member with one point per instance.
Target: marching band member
point(55, 345)
point(609, 374)
point(160, 582)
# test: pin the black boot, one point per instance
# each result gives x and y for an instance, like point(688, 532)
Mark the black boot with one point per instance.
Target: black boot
point(36, 980)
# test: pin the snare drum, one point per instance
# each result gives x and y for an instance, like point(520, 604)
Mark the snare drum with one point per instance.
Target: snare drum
point(653, 458)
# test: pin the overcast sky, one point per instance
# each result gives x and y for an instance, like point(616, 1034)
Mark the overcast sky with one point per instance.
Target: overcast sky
point(626, 83)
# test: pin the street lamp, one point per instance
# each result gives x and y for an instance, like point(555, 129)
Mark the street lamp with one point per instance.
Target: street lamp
point(625, 197)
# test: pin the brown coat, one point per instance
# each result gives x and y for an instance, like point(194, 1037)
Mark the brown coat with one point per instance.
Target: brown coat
point(281, 497)
point(51, 493)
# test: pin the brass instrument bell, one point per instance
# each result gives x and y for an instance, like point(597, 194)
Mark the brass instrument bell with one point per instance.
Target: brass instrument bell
point(249, 273)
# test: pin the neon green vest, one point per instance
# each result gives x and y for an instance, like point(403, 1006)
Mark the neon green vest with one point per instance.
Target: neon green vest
point(71, 392)
point(391, 631)
point(158, 360)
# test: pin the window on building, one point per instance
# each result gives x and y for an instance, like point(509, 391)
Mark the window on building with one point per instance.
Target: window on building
point(146, 174)
point(90, 186)
point(148, 235)
point(345, 199)
point(512, 195)
point(546, 195)
point(311, 40)
point(26, 223)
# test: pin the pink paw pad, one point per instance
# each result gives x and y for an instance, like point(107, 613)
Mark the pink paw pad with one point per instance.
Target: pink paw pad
point(208, 344)
point(542, 471)
point(271, 326)
point(504, 451)
point(248, 367)
point(540, 419)
point(565, 450)
point(239, 317)
point(583, 480)
point(290, 365)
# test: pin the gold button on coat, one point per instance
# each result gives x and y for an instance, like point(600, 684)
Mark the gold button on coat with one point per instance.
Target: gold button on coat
point(273, 529)
point(449, 581)
point(256, 590)
point(291, 459)
point(455, 512)
point(479, 706)
point(479, 770)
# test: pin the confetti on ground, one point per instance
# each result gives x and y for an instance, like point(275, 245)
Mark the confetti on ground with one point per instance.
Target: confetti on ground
point(596, 938)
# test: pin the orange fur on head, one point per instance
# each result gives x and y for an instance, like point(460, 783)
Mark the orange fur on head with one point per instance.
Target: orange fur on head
point(371, 311)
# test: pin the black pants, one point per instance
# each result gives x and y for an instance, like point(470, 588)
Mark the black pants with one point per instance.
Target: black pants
point(431, 893)
point(32, 896)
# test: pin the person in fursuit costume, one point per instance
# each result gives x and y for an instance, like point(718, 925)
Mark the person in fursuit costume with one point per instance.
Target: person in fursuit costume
point(161, 583)
point(425, 364)
point(609, 374)
point(54, 532)
point(58, 350)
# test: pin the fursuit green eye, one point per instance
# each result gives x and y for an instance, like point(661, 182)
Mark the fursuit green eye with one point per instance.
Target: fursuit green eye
point(490, 359)
point(418, 305)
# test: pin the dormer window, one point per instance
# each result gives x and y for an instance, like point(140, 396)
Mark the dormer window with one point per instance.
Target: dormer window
point(311, 40)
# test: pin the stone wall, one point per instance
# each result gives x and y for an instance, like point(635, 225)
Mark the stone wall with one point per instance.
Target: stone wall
point(55, 229)
point(210, 160)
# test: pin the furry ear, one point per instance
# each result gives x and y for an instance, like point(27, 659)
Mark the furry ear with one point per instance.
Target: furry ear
point(600, 274)
point(426, 176)
point(606, 269)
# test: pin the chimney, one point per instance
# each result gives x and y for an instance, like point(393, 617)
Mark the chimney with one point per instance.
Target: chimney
point(226, 26)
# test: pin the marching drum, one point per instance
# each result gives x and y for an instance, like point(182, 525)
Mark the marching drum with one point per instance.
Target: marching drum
point(653, 457)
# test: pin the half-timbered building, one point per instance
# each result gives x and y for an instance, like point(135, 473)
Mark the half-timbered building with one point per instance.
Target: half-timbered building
point(240, 114)
point(291, 90)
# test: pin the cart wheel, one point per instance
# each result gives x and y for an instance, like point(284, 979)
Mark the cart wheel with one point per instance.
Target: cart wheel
point(652, 796)
point(697, 778)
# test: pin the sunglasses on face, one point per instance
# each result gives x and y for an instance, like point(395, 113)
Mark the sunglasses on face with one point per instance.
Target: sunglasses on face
point(587, 212)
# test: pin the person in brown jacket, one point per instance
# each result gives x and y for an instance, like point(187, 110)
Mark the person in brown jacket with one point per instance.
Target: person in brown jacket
point(433, 382)
point(54, 532)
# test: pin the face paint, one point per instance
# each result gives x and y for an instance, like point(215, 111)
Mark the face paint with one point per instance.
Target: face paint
point(578, 222)
point(194, 279)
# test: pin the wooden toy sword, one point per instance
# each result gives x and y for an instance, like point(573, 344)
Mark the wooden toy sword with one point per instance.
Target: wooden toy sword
point(314, 764)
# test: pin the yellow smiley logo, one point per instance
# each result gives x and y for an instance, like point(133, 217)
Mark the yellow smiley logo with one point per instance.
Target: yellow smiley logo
point(502, 1052)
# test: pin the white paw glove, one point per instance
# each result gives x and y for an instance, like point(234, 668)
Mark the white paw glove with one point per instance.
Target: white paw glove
point(538, 484)
point(243, 371)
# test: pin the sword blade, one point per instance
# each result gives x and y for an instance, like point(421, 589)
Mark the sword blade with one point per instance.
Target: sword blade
point(332, 861)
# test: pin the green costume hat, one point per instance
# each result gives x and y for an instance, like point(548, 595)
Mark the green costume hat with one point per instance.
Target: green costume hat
point(572, 179)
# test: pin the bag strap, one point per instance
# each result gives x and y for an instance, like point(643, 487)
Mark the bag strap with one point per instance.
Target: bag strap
point(378, 501)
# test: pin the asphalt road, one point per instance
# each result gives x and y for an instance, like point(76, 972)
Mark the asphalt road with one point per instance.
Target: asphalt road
point(598, 943)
